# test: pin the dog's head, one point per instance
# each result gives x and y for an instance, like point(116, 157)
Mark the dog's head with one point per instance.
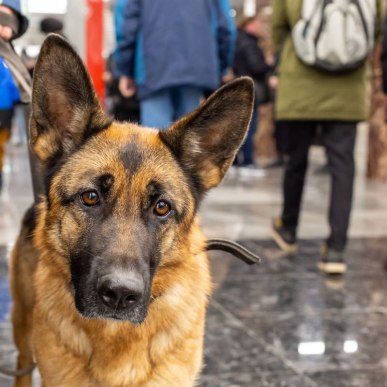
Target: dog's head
point(121, 198)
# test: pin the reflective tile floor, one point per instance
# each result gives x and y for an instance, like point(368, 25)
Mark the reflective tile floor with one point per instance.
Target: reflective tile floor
point(280, 323)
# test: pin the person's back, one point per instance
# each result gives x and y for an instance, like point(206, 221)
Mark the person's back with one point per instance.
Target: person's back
point(320, 95)
point(163, 44)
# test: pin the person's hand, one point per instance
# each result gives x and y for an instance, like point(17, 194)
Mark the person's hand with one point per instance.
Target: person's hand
point(270, 61)
point(127, 87)
point(273, 82)
point(228, 76)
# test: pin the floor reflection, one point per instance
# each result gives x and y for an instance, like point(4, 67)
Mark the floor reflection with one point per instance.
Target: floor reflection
point(320, 331)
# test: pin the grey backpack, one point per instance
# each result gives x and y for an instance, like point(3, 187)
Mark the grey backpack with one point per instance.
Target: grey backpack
point(335, 35)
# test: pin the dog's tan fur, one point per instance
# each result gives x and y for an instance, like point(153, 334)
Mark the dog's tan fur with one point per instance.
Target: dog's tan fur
point(76, 142)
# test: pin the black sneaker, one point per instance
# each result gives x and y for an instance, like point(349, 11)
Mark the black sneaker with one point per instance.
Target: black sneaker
point(283, 237)
point(332, 261)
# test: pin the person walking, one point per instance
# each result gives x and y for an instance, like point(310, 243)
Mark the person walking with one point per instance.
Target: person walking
point(250, 61)
point(171, 52)
point(322, 82)
point(15, 82)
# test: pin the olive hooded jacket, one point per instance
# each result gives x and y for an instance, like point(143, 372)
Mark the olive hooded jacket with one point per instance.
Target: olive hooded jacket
point(306, 93)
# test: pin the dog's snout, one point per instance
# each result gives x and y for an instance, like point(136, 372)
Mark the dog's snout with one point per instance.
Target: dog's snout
point(120, 293)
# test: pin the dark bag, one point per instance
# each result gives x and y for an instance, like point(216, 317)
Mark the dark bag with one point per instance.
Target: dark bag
point(262, 92)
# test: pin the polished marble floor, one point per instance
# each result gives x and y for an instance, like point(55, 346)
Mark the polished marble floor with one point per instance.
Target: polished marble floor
point(280, 323)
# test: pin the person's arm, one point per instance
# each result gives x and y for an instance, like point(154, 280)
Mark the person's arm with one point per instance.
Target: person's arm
point(119, 11)
point(226, 34)
point(127, 21)
point(280, 24)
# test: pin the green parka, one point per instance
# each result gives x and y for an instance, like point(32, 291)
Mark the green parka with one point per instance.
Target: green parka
point(305, 93)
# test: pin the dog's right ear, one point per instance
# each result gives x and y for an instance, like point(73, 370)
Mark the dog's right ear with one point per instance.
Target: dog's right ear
point(65, 107)
point(206, 141)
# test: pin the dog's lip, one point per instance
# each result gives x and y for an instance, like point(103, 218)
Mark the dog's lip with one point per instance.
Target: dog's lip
point(123, 319)
point(135, 315)
point(115, 316)
point(120, 318)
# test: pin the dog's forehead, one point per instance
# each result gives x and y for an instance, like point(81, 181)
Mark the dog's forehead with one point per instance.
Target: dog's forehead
point(137, 147)
point(130, 138)
point(127, 144)
point(123, 149)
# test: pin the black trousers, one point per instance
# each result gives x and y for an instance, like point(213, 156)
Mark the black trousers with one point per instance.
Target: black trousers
point(339, 141)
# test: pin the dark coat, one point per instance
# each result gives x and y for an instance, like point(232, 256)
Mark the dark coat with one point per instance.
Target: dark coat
point(249, 58)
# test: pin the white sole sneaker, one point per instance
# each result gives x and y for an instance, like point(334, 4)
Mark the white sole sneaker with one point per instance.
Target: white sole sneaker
point(332, 267)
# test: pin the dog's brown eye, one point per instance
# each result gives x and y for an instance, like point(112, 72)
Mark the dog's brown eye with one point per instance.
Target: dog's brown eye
point(162, 208)
point(90, 198)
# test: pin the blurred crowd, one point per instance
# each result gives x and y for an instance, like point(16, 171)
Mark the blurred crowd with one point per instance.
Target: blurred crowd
point(309, 61)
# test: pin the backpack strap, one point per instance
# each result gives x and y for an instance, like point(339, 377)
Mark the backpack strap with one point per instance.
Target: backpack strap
point(357, 3)
point(321, 26)
point(310, 18)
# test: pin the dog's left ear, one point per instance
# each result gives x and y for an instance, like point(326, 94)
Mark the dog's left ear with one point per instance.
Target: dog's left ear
point(65, 107)
point(206, 141)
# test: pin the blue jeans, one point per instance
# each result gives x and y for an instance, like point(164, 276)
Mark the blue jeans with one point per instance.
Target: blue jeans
point(164, 107)
point(247, 149)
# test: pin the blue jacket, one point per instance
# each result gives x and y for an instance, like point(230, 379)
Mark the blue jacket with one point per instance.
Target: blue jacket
point(165, 43)
point(9, 93)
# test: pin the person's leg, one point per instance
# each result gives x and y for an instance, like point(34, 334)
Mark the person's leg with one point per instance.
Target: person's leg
point(157, 110)
point(248, 145)
point(300, 138)
point(186, 99)
point(4, 137)
point(20, 131)
point(280, 136)
point(339, 139)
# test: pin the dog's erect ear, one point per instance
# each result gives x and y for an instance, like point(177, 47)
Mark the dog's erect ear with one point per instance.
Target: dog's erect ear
point(65, 107)
point(206, 141)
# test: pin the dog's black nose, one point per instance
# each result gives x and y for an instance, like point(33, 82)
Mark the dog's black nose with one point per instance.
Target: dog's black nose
point(120, 294)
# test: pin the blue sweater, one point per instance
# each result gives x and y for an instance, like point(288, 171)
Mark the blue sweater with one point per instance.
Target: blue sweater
point(165, 43)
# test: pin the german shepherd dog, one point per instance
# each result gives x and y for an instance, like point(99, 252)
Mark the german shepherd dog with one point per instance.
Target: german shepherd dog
point(109, 276)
